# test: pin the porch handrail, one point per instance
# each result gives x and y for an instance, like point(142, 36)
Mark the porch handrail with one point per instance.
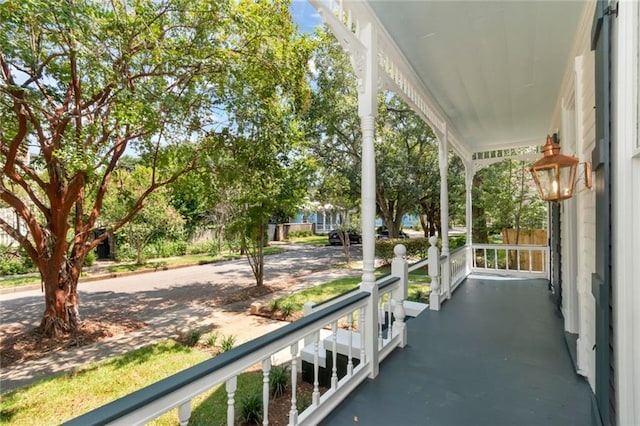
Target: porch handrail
point(177, 390)
point(389, 330)
point(458, 266)
point(521, 260)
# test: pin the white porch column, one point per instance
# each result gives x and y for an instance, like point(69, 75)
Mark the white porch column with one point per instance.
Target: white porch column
point(470, 172)
point(367, 110)
point(443, 161)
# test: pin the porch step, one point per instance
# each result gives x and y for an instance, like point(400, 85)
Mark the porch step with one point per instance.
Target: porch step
point(413, 309)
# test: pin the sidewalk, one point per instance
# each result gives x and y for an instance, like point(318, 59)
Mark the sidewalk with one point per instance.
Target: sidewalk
point(233, 319)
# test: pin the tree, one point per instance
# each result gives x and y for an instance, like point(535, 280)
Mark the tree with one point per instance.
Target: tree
point(156, 219)
point(260, 160)
point(508, 198)
point(82, 83)
point(260, 184)
point(407, 171)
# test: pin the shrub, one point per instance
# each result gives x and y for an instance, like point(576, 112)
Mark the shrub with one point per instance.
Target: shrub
point(287, 309)
point(275, 305)
point(192, 338)
point(299, 233)
point(90, 258)
point(279, 378)
point(125, 252)
point(228, 342)
point(416, 248)
point(12, 262)
point(303, 401)
point(202, 247)
point(211, 339)
point(251, 409)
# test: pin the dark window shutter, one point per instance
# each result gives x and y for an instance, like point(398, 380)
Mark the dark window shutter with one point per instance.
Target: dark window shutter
point(601, 281)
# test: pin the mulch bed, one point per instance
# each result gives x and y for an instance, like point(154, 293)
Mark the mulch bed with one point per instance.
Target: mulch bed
point(28, 345)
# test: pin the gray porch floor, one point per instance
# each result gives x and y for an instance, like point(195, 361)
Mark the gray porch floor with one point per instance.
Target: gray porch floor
point(493, 355)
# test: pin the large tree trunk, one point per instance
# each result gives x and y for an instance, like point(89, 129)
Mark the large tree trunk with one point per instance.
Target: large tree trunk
point(61, 313)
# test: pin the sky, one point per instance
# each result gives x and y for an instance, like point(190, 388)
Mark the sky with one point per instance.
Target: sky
point(305, 15)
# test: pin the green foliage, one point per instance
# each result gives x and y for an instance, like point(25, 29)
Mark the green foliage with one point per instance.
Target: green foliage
point(95, 384)
point(418, 294)
point(287, 309)
point(202, 247)
point(164, 248)
point(192, 338)
point(275, 305)
point(278, 380)
point(86, 81)
point(416, 248)
point(505, 197)
point(227, 343)
point(456, 241)
point(90, 258)
point(211, 339)
point(303, 401)
point(14, 261)
point(251, 408)
point(299, 234)
point(156, 222)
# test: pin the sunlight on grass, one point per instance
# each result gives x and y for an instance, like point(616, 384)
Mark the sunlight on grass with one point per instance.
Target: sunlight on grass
point(61, 398)
point(313, 240)
point(19, 281)
point(418, 289)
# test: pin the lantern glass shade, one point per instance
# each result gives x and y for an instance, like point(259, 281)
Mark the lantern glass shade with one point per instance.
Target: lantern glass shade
point(554, 173)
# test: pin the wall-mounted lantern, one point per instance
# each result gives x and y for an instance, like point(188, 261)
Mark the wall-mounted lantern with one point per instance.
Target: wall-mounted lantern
point(555, 174)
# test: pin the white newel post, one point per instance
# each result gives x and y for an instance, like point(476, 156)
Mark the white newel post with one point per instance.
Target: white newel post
point(443, 161)
point(400, 269)
point(366, 69)
point(433, 255)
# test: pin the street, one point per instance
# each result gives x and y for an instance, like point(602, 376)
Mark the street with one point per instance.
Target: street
point(142, 297)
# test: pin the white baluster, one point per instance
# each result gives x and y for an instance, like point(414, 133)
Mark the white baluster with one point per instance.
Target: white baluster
point(363, 334)
point(231, 387)
point(350, 328)
point(316, 366)
point(184, 413)
point(293, 414)
point(266, 369)
point(400, 327)
point(380, 321)
point(334, 369)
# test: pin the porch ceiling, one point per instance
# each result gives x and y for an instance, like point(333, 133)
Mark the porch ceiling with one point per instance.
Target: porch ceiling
point(495, 68)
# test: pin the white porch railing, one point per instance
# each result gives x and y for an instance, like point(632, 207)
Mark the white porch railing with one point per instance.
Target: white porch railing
point(459, 268)
point(517, 260)
point(330, 332)
point(315, 341)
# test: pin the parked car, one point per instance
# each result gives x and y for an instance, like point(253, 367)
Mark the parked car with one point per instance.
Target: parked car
point(382, 233)
point(354, 237)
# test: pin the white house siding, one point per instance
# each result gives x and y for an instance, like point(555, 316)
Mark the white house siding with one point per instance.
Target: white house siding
point(626, 209)
point(585, 211)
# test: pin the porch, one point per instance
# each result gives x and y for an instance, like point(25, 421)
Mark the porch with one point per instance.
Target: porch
point(494, 354)
point(492, 351)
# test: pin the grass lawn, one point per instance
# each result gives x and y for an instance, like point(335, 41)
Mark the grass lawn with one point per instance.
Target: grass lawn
point(418, 289)
point(61, 398)
point(314, 240)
